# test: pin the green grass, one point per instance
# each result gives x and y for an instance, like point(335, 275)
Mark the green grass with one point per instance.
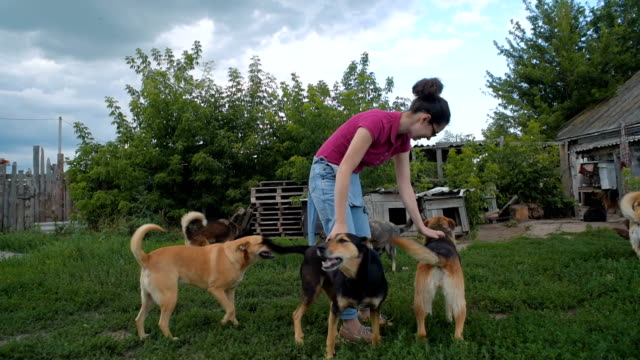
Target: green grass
point(75, 296)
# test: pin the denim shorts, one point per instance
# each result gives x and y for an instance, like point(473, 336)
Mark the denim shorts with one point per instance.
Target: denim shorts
point(322, 182)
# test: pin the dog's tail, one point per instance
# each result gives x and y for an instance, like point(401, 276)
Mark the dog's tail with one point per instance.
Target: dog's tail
point(191, 217)
point(136, 241)
point(279, 249)
point(417, 250)
point(406, 227)
point(628, 208)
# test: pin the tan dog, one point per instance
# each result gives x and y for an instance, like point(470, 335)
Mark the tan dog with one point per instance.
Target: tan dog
point(630, 209)
point(446, 274)
point(219, 268)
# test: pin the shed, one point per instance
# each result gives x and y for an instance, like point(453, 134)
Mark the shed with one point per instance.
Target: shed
point(386, 204)
point(598, 142)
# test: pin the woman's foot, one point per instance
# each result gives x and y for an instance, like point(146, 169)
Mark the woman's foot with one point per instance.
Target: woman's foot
point(363, 334)
point(364, 315)
point(352, 330)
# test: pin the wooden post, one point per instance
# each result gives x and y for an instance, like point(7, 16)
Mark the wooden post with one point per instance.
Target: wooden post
point(12, 197)
point(42, 185)
point(36, 182)
point(60, 188)
point(3, 196)
point(28, 200)
point(565, 169)
point(20, 201)
point(48, 183)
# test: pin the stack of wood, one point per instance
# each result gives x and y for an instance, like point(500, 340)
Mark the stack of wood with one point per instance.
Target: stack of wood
point(277, 208)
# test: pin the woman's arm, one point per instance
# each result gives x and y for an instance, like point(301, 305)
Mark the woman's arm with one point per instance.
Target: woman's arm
point(408, 196)
point(358, 147)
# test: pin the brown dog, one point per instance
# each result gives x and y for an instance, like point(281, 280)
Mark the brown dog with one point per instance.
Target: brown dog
point(219, 268)
point(198, 232)
point(630, 208)
point(446, 274)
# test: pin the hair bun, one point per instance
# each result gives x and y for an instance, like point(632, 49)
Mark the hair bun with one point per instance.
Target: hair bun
point(428, 88)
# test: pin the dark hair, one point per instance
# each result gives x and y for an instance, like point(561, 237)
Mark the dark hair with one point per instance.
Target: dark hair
point(428, 100)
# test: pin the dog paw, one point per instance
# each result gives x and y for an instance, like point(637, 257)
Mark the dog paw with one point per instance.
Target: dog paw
point(300, 340)
point(143, 336)
point(174, 338)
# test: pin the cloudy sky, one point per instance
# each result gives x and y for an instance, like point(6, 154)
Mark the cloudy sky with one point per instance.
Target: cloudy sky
point(62, 58)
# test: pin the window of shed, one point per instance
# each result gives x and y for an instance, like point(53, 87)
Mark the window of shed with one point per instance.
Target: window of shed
point(398, 216)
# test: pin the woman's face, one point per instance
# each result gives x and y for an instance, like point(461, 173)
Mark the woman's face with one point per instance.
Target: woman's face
point(425, 129)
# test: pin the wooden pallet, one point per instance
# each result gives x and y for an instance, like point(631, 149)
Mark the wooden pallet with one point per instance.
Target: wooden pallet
point(278, 195)
point(275, 215)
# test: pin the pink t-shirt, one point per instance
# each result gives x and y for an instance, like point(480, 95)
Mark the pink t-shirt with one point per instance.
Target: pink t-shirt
point(383, 127)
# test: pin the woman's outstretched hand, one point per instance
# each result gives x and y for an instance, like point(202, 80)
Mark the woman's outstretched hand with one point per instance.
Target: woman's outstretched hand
point(337, 229)
point(433, 234)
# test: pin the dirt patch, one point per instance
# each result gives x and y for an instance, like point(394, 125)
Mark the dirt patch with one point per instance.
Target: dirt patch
point(505, 231)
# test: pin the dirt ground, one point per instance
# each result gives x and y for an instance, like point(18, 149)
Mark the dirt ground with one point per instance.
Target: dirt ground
point(505, 231)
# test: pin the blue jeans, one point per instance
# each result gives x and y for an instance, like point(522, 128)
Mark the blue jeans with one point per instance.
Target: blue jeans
point(322, 183)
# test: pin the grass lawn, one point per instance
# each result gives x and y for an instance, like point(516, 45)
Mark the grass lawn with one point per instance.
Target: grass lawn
point(75, 296)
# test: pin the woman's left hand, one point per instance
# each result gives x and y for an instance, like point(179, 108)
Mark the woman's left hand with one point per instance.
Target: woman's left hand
point(433, 234)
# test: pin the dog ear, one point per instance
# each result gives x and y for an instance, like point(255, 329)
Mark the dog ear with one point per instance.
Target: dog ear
point(452, 223)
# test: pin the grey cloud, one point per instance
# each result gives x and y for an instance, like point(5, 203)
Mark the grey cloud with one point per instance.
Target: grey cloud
point(93, 29)
point(90, 38)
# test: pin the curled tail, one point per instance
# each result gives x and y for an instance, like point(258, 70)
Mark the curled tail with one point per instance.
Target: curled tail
point(295, 249)
point(136, 241)
point(628, 208)
point(192, 217)
point(417, 250)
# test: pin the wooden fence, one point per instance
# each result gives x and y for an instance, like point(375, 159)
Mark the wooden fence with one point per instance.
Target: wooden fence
point(35, 196)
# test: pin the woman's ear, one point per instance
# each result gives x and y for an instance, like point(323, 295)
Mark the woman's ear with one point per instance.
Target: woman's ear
point(425, 118)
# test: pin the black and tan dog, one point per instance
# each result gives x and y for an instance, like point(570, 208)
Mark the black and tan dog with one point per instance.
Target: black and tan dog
point(630, 209)
point(447, 275)
point(381, 233)
point(219, 268)
point(198, 232)
point(350, 273)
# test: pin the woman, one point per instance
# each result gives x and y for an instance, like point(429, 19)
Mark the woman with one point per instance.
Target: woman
point(369, 139)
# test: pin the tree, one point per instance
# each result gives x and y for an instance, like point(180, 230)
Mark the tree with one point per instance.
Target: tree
point(568, 59)
point(192, 144)
point(548, 78)
point(614, 41)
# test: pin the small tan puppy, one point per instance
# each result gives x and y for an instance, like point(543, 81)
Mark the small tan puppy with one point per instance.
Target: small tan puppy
point(219, 268)
point(629, 206)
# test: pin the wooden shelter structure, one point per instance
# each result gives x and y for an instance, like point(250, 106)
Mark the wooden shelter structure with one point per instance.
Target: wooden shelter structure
point(597, 143)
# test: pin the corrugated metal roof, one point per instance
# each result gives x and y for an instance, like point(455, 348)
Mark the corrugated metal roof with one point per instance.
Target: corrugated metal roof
point(601, 143)
point(607, 115)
